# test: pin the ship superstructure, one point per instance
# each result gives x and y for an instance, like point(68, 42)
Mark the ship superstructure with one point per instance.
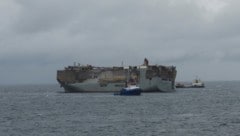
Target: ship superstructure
point(150, 78)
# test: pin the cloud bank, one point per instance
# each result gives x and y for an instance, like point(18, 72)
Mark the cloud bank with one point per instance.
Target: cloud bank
point(200, 37)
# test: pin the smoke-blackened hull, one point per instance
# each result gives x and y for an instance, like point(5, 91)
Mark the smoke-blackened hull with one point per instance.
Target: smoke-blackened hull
point(104, 79)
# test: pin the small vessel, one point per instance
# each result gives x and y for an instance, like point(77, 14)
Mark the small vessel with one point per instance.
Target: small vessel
point(197, 83)
point(131, 90)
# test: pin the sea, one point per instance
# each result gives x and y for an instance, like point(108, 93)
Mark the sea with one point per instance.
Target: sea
point(45, 110)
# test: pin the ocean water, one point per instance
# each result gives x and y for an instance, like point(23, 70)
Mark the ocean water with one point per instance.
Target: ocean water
point(44, 110)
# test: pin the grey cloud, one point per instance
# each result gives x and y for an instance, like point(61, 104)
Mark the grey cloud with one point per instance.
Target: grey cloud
point(39, 16)
point(55, 33)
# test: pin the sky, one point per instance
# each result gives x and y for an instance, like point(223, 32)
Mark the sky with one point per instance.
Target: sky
point(38, 37)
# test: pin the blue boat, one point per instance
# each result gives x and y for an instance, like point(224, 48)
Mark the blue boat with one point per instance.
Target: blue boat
point(131, 90)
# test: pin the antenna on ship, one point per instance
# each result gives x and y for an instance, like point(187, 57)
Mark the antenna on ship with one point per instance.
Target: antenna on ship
point(122, 64)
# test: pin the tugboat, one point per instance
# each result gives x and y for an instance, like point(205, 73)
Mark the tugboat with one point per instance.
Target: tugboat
point(131, 90)
point(197, 83)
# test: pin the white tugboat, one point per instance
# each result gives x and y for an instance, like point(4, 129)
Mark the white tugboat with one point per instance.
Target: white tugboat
point(197, 83)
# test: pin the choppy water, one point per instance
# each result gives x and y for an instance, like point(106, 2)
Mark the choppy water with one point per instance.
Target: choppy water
point(43, 110)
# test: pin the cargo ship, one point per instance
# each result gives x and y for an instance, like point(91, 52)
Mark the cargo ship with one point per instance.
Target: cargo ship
point(88, 78)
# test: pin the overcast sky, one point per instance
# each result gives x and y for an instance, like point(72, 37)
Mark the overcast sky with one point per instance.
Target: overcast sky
point(199, 37)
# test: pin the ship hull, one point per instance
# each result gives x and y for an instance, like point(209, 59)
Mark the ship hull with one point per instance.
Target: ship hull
point(95, 87)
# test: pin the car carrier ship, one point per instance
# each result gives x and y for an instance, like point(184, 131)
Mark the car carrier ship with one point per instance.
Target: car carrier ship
point(88, 78)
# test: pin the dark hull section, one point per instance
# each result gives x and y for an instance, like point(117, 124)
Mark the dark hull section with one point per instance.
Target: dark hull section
point(129, 92)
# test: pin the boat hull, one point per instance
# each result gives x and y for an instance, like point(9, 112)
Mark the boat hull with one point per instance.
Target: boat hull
point(129, 92)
